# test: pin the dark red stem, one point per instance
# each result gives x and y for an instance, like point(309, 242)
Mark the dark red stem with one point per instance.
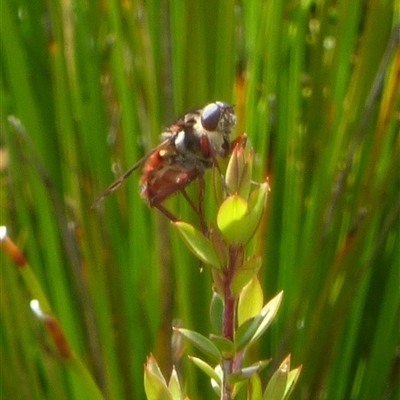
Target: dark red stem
point(229, 312)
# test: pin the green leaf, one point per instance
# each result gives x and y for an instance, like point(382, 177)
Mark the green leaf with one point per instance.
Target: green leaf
point(292, 379)
point(216, 311)
point(218, 283)
point(254, 391)
point(207, 369)
point(257, 203)
point(153, 368)
point(250, 301)
point(245, 184)
point(174, 386)
point(224, 345)
point(219, 246)
point(248, 372)
point(253, 328)
point(231, 219)
point(200, 246)
point(154, 383)
point(268, 312)
point(201, 342)
point(249, 269)
point(101, 106)
point(216, 384)
point(246, 331)
point(276, 387)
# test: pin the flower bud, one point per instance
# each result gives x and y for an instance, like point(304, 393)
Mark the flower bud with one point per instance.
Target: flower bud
point(238, 172)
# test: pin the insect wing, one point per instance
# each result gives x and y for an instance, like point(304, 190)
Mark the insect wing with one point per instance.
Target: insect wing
point(116, 184)
point(167, 177)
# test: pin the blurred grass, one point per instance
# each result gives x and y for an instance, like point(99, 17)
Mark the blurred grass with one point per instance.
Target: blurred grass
point(86, 87)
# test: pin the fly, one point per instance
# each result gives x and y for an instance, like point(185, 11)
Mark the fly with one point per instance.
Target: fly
point(188, 147)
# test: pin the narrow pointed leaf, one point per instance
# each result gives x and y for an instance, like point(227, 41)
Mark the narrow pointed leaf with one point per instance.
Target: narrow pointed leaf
point(254, 391)
point(276, 387)
point(201, 342)
point(224, 345)
point(207, 369)
point(155, 389)
point(248, 372)
point(216, 384)
point(216, 311)
point(292, 379)
point(154, 382)
point(269, 312)
point(200, 246)
point(153, 368)
point(246, 332)
point(254, 327)
point(174, 386)
point(245, 182)
point(257, 203)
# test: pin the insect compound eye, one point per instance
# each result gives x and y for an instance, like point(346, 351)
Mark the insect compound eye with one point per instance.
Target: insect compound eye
point(210, 116)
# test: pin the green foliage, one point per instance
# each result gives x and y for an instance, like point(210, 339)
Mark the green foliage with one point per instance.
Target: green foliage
point(156, 386)
point(243, 317)
point(86, 88)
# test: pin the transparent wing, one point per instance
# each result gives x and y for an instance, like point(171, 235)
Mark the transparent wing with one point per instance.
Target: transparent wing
point(115, 185)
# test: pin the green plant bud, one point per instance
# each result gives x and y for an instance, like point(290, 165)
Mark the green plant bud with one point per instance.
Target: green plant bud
point(231, 219)
point(238, 219)
point(238, 172)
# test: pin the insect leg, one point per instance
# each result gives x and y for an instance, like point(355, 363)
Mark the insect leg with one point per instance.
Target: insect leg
point(166, 212)
point(208, 150)
point(222, 176)
point(190, 201)
point(200, 209)
point(203, 223)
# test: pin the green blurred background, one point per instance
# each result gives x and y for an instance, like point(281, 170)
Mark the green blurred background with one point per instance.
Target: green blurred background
point(86, 88)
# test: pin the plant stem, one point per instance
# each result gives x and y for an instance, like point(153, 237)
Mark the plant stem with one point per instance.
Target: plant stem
point(229, 315)
point(226, 386)
point(228, 332)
